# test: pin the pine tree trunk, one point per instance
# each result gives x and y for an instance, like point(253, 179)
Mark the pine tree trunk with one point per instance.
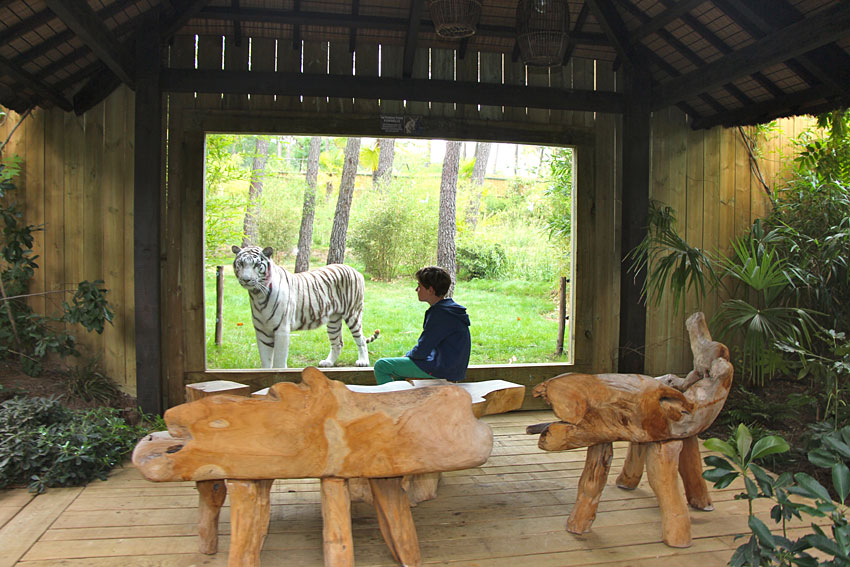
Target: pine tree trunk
point(448, 209)
point(255, 192)
point(386, 155)
point(336, 251)
point(305, 235)
point(482, 156)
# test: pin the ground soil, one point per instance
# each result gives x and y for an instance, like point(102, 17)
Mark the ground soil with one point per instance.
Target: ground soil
point(53, 381)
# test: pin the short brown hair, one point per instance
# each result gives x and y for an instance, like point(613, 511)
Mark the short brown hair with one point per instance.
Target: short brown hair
point(436, 278)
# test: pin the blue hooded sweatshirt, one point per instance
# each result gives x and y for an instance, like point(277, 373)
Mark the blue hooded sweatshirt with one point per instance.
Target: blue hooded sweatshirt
point(444, 345)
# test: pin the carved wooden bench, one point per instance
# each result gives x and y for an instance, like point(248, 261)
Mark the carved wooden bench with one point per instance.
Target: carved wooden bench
point(322, 429)
point(660, 417)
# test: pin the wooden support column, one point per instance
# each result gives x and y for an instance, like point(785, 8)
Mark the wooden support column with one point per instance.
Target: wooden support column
point(636, 146)
point(146, 225)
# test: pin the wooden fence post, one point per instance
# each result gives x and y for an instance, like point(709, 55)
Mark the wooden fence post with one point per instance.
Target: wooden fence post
point(219, 302)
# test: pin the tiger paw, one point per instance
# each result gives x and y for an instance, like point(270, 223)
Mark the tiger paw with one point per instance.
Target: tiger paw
point(361, 363)
point(326, 363)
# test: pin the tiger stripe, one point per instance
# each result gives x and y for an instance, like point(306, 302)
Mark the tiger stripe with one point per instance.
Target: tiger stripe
point(282, 302)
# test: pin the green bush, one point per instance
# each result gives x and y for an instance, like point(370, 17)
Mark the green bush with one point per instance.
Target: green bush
point(395, 232)
point(278, 224)
point(480, 259)
point(44, 444)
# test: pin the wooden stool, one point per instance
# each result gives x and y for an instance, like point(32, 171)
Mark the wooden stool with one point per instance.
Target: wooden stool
point(316, 429)
point(659, 419)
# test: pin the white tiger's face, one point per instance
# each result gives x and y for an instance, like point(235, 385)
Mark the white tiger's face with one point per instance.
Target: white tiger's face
point(253, 267)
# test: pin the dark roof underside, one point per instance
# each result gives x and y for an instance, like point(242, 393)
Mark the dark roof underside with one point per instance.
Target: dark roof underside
point(721, 61)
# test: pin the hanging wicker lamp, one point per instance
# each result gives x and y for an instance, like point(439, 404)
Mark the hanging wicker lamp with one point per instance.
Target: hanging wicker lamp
point(542, 28)
point(455, 18)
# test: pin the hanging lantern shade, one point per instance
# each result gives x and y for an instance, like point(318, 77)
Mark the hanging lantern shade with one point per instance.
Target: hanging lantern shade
point(542, 28)
point(455, 18)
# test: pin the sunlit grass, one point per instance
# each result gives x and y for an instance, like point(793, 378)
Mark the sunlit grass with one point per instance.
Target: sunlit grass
point(512, 322)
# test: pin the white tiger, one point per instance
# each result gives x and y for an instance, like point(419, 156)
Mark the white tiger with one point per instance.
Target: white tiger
point(282, 302)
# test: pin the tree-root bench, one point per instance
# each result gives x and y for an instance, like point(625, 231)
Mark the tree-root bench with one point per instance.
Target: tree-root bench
point(660, 417)
point(396, 439)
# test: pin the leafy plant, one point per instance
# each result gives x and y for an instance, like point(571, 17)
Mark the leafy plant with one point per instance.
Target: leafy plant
point(477, 259)
point(763, 548)
point(44, 444)
point(672, 265)
point(394, 234)
point(89, 383)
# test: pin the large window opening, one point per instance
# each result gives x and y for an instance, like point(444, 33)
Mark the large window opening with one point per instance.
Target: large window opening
point(513, 212)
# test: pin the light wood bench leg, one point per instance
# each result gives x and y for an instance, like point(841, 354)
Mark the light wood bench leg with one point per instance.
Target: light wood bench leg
point(336, 520)
point(590, 486)
point(632, 471)
point(248, 521)
point(662, 470)
point(690, 469)
point(395, 520)
point(211, 495)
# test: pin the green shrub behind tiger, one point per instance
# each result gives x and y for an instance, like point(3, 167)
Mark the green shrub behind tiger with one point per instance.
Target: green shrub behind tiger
point(282, 302)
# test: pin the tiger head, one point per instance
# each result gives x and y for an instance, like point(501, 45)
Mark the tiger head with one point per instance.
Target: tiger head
point(253, 266)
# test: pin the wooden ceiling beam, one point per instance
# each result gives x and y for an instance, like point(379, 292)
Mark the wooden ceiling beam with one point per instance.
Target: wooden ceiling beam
point(581, 19)
point(411, 39)
point(424, 90)
point(615, 30)
point(825, 27)
point(794, 103)
point(176, 22)
point(367, 22)
point(44, 91)
point(25, 26)
point(829, 64)
point(671, 14)
point(78, 16)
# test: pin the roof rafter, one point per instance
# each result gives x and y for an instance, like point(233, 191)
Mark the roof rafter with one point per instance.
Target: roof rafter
point(412, 38)
point(44, 91)
point(611, 22)
point(801, 37)
point(669, 15)
point(829, 65)
point(78, 16)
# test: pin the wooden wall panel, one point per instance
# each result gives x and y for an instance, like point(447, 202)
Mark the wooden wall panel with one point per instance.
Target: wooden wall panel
point(366, 65)
point(491, 72)
point(443, 68)
point(707, 178)
point(315, 63)
point(392, 59)
point(235, 59)
point(341, 62)
point(263, 53)
point(209, 57)
point(75, 186)
point(34, 199)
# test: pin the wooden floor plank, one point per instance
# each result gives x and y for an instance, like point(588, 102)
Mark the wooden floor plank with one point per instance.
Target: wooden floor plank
point(510, 511)
point(28, 525)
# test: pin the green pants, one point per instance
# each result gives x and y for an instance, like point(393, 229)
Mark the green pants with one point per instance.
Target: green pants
point(397, 368)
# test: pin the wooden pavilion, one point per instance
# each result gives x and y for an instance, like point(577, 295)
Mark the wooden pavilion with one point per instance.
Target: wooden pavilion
point(111, 100)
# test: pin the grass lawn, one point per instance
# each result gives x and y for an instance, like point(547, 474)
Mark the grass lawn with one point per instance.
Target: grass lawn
point(512, 322)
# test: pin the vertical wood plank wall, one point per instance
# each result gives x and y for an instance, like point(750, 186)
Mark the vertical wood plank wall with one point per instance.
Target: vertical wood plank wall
point(706, 177)
point(78, 175)
point(76, 182)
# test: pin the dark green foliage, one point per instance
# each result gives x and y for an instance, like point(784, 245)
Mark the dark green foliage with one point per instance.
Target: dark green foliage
point(89, 383)
point(477, 259)
point(671, 264)
point(763, 547)
point(44, 444)
point(394, 234)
